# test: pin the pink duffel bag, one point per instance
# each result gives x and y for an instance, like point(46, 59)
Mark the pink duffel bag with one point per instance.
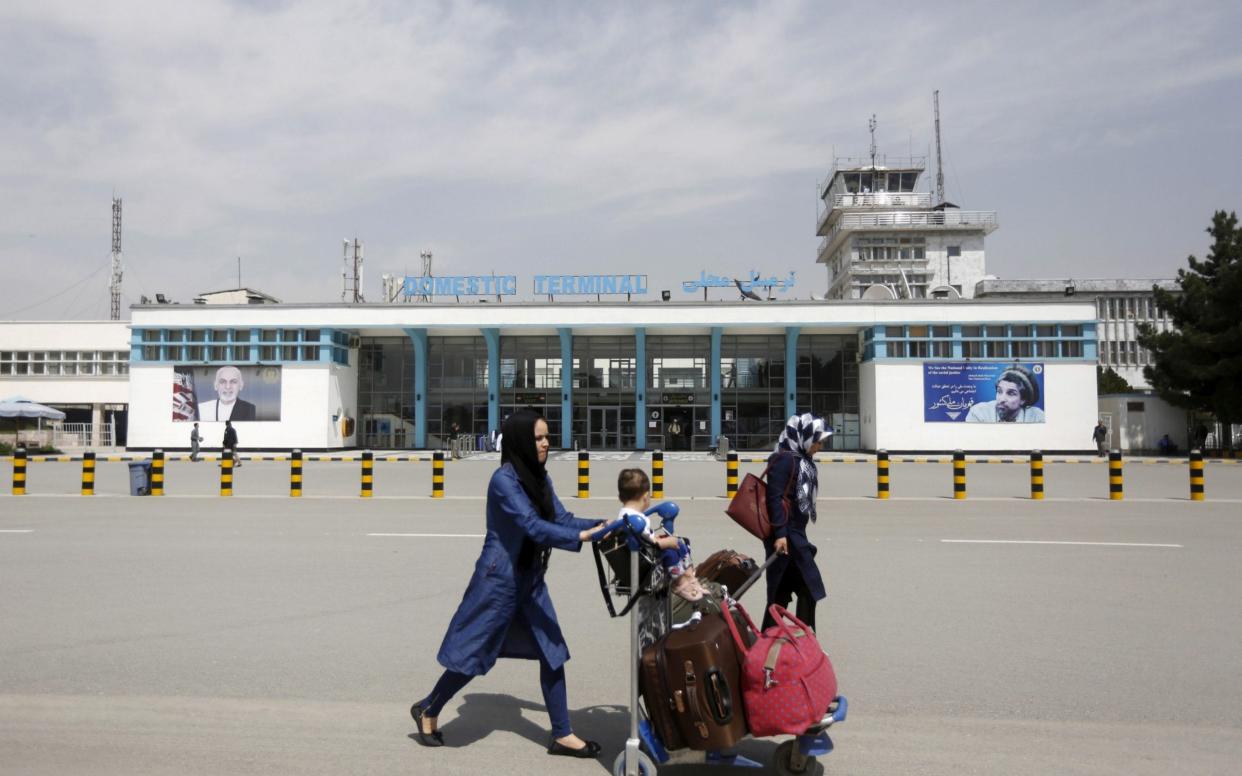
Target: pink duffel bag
point(787, 680)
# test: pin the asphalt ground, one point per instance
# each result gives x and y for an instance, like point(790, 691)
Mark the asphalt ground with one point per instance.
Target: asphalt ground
point(258, 635)
point(683, 479)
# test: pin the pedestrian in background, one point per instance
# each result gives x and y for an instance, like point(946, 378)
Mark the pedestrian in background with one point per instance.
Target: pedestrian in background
point(230, 442)
point(195, 439)
point(1100, 435)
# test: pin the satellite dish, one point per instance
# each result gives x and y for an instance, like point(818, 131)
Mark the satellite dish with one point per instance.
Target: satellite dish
point(877, 291)
point(746, 294)
point(944, 292)
point(819, 297)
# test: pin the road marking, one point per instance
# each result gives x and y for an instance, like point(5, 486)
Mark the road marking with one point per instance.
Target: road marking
point(431, 536)
point(1081, 544)
point(17, 530)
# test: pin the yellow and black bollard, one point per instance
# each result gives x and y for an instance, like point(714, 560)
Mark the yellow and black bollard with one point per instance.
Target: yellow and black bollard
point(226, 473)
point(1196, 475)
point(368, 473)
point(19, 471)
point(157, 473)
point(88, 473)
point(731, 474)
point(881, 474)
point(1037, 475)
point(584, 474)
point(295, 474)
point(959, 474)
point(437, 474)
point(1116, 486)
point(657, 474)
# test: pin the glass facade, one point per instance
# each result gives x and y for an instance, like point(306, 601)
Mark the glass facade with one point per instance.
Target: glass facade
point(752, 395)
point(530, 376)
point(827, 383)
point(456, 387)
point(386, 392)
point(605, 378)
point(678, 392)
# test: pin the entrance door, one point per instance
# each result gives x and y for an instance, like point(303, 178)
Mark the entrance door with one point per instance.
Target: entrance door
point(604, 432)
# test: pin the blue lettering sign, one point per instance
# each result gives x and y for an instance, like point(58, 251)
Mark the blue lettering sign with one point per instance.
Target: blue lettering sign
point(460, 285)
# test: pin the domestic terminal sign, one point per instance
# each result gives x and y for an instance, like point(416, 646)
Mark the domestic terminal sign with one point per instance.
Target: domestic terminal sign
point(580, 285)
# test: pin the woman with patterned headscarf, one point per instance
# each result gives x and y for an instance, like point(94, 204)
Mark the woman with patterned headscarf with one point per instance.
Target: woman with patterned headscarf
point(793, 484)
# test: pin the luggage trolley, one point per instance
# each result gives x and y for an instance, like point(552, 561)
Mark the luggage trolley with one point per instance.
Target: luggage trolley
point(636, 574)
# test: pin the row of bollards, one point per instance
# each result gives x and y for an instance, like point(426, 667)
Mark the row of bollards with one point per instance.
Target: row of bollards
point(1116, 476)
point(1116, 482)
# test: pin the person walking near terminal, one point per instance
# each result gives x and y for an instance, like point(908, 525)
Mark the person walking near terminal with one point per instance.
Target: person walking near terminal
point(230, 442)
point(1100, 435)
point(795, 573)
point(506, 610)
point(195, 439)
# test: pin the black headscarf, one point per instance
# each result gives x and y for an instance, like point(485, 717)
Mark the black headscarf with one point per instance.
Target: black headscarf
point(519, 451)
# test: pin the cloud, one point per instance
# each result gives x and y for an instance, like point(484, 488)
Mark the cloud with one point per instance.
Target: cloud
point(265, 127)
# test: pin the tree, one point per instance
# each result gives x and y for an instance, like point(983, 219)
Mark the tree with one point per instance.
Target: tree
point(1108, 381)
point(1198, 365)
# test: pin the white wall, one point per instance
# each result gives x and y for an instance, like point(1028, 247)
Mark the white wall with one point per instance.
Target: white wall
point(310, 394)
point(891, 404)
point(66, 336)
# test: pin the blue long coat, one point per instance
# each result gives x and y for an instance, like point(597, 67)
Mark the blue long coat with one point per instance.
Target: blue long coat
point(801, 551)
point(505, 611)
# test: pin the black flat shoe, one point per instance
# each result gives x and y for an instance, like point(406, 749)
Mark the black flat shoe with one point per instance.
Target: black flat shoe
point(434, 738)
point(591, 749)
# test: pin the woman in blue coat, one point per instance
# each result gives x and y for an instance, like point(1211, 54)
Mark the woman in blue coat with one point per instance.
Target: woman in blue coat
point(792, 469)
point(506, 610)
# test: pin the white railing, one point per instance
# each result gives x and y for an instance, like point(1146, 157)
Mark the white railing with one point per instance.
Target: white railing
point(948, 218)
point(883, 199)
point(81, 435)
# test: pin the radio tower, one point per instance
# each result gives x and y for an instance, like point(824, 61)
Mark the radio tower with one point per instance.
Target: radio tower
point(426, 257)
point(352, 273)
point(114, 284)
point(939, 169)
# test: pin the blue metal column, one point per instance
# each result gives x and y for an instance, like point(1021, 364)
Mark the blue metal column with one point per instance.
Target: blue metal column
point(492, 336)
point(716, 331)
point(640, 389)
point(419, 338)
point(791, 370)
point(567, 388)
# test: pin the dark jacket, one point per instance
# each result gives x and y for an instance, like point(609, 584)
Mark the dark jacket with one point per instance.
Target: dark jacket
point(791, 525)
point(506, 610)
point(230, 438)
point(243, 410)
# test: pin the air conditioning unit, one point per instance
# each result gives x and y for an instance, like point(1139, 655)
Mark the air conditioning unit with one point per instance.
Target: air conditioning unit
point(354, 342)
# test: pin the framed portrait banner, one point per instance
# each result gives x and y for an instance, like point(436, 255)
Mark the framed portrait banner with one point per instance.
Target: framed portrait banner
point(983, 392)
point(214, 394)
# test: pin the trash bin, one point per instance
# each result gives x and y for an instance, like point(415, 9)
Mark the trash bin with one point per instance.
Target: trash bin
point(722, 447)
point(139, 478)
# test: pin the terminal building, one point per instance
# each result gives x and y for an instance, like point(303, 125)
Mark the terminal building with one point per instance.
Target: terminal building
point(897, 355)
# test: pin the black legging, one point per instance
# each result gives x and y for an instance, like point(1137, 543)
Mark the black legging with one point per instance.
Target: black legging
point(792, 584)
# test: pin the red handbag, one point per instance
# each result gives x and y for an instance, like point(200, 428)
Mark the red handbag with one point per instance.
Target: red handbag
point(787, 680)
point(749, 507)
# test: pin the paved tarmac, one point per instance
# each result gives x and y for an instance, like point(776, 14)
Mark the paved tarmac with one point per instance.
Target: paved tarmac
point(193, 634)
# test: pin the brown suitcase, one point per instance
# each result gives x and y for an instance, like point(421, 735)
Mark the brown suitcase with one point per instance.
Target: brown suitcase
point(692, 686)
point(728, 567)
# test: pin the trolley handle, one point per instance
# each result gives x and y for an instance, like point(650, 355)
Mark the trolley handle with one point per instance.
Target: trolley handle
point(755, 577)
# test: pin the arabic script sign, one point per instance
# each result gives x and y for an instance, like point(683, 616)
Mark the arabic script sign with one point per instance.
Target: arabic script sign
point(983, 392)
point(751, 284)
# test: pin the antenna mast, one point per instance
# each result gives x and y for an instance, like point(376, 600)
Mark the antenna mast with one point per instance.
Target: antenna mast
point(426, 257)
point(352, 274)
point(939, 168)
point(114, 284)
point(871, 126)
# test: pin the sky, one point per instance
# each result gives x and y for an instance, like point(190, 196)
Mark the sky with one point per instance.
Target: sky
point(663, 139)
